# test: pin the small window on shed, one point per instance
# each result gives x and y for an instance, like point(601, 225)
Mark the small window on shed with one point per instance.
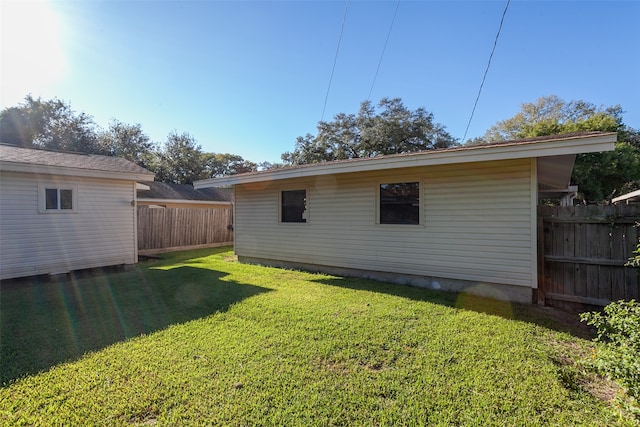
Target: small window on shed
point(400, 203)
point(293, 206)
point(51, 198)
point(56, 199)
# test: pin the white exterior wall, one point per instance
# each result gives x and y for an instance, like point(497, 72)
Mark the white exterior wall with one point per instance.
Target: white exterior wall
point(478, 223)
point(100, 232)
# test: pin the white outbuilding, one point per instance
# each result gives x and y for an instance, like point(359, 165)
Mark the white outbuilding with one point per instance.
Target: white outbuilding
point(66, 211)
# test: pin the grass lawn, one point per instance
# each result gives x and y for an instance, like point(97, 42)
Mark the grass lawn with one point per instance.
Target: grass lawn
point(197, 338)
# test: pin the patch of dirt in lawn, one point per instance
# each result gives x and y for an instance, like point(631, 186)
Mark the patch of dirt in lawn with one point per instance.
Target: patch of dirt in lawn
point(554, 318)
point(572, 356)
point(571, 359)
point(601, 388)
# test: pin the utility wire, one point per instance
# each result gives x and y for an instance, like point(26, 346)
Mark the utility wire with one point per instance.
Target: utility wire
point(335, 59)
point(495, 42)
point(383, 50)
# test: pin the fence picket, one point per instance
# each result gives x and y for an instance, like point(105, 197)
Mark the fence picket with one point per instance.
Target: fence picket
point(182, 227)
point(584, 251)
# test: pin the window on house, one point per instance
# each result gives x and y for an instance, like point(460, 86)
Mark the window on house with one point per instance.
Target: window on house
point(293, 206)
point(56, 199)
point(400, 203)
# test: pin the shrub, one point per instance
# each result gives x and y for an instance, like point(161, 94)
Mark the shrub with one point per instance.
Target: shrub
point(618, 328)
point(634, 261)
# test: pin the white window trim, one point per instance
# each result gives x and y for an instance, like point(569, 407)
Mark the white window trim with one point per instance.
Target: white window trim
point(306, 212)
point(421, 208)
point(58, 186)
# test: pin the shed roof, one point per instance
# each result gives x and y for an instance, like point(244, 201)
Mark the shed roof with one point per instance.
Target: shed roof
point(633, 196)
point(564, 147)
point(169, 191)
point(18, 159)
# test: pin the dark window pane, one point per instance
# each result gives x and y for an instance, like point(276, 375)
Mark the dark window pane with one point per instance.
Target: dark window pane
point(66, 199)
point(293, 206)
point(400, 203)
point(51, 198)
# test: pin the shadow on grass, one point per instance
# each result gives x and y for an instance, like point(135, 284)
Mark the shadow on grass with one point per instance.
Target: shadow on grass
point(551, 318)
point(44, 323)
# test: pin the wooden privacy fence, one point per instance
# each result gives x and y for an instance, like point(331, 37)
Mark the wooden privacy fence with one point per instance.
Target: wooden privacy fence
point(180, 228)
point(582, 255)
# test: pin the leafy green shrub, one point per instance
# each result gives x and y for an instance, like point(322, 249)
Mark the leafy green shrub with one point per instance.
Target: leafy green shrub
point(619, 330)
point(634, 261)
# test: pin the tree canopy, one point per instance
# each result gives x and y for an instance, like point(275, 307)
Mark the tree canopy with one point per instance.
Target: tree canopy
point(386, 128)
point(599, 176)
point(48, 124)
point(54, 125)
point(391, 128)
point(128, 141)
point(222, 164)
point(551, 115)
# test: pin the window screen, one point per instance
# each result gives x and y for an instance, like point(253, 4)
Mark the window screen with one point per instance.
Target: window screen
point(400, 203)
point(57, 199)
point(293, 206)
point(51, 198)
point(66, 199)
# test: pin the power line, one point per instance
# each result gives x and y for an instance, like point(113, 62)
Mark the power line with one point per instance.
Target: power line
point(495, 42)
point(335, 59)
point(383, 49)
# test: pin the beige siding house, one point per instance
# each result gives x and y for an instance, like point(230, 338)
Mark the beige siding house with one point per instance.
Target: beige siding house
point(455, 219)
point(61, 212)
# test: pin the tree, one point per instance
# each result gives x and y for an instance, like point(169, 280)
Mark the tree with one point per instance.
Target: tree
point(48, 124)
point(599, 176)
point(218, 164)
point(265, 166)
point(393, 130)
point(603, 176)
point(53, 125)
point(128, 141)
point(180, 160)
point(14, 128)
point(551, 115)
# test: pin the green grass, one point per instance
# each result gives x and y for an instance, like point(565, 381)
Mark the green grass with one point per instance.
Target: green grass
point(197, 338)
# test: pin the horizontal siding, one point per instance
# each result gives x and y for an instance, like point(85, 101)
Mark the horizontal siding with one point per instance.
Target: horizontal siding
point(100, 232)
point(476, 224)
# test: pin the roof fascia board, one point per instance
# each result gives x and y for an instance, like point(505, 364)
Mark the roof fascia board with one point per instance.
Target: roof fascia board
point(66, 171)
point(183, 201)
point(627, 196)
point(588, 144)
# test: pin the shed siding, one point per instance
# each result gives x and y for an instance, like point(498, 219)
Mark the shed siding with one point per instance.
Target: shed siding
point(476, 223)
point(101, 232)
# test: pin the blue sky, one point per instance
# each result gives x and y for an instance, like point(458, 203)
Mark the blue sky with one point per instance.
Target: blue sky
point(249, 77)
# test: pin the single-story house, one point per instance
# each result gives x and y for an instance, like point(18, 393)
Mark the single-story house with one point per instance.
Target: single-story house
point(169, 195)
point(455, 219)
point(66, 211)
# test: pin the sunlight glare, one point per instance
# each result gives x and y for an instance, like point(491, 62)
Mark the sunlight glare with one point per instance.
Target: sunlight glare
point(32, 58)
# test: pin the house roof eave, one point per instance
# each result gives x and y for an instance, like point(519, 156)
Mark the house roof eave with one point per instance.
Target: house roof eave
point(632, 196)
point(78, 172)
point(561, 145)
point(184, 201)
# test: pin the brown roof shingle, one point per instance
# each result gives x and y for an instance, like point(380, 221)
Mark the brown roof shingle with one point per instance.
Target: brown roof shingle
point(167, 191)
point(30, 156)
